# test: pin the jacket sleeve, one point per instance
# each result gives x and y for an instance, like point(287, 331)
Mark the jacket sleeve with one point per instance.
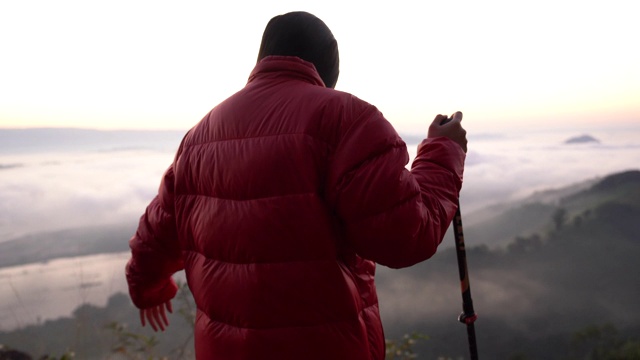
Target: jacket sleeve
point(155, 251)
point(389, 214)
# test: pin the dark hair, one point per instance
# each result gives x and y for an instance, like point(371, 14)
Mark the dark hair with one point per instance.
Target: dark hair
point(303, 35)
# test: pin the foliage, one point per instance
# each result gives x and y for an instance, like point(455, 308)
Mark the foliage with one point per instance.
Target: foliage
point(523, 244)
point(132, 345)
point(403, 349)
point(604, 343)
point(559, 218)
point(7, 353)
point(69, 355)
point(137, 346)
point(186, 307)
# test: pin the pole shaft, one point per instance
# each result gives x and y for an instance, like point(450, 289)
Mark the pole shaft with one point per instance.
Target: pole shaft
point(468, 315)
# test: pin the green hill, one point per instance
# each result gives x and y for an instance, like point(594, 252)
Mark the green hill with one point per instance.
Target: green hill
point(500, 224)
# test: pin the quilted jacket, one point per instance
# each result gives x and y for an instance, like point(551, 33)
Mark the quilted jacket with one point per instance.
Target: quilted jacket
point(278, 205)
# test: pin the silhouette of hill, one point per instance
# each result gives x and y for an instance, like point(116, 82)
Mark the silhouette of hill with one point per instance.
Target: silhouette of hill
point(45, 246)
point(614, 182)
point(582, 139)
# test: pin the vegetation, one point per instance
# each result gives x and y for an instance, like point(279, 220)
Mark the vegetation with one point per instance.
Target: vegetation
point(403, 349)
point(604, 343)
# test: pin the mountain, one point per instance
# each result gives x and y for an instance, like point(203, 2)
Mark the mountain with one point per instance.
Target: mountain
point(582, 139)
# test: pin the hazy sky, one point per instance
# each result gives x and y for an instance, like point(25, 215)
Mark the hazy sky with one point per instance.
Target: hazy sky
point(161, 64)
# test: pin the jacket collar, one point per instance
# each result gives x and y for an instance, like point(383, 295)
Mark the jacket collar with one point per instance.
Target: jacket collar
point(286, 66)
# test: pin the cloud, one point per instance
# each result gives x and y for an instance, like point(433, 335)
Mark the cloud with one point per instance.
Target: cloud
point(516, 166)
point(66, 190)
point(433, 295)
point(62, 188)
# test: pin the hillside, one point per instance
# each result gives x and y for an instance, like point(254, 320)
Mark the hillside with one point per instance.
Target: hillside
point(499, 224)
point(536, 292)
point(45, 246)
point(564, 288)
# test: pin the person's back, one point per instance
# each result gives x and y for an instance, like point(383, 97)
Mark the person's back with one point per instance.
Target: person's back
point(277, 206)
point(249, 186)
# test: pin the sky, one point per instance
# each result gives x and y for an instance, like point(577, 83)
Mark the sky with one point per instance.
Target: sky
point(164, 65)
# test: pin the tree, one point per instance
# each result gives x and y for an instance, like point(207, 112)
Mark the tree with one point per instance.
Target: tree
point(559, 218)
point(604, 343)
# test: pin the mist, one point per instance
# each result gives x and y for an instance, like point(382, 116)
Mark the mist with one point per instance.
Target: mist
point(75, 178)
point(101, 182)
point(57, 179)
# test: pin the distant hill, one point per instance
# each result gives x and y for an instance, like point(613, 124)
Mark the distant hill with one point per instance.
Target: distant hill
point(45, 246)
point(582, 139)
point(616, 183)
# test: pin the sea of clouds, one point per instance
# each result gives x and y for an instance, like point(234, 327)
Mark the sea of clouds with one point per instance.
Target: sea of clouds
point(60, 179)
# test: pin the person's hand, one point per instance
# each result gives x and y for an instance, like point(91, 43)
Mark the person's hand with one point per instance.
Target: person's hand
point(156, 316)
point(451, 129)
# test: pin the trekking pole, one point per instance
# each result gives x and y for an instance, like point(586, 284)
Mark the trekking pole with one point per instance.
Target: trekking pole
point(468, 315)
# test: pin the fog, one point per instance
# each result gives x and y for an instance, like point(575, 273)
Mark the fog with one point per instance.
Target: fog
point(33, 293)
point(109, 177)
point(50, 192)
point(436, 294)
point(514, 166)
point(49, 185)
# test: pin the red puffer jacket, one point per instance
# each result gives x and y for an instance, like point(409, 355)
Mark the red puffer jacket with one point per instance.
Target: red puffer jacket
point(277, 205)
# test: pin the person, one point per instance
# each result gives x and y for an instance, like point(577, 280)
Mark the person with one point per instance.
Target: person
point(281, 201)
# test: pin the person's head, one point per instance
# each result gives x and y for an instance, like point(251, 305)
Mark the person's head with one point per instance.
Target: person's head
point(305, 36)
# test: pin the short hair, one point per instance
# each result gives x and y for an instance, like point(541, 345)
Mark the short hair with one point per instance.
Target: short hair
point(303, 35)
